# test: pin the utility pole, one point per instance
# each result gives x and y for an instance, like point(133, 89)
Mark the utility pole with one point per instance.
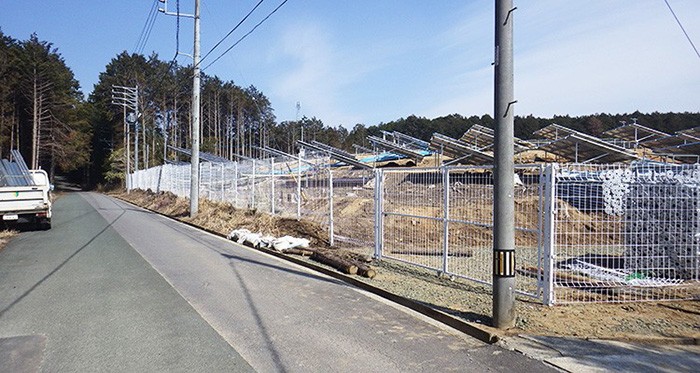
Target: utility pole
point(128, 98)
point(194, 184)
point(194, 178)
point(136, 131)
point(504, 171)
point(297, 120)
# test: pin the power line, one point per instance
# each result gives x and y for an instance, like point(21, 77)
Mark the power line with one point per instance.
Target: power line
point(146, 30)
point(246, 35)
point(148, 35)
point(232, 30)
point(145, 27)
point(682, 28)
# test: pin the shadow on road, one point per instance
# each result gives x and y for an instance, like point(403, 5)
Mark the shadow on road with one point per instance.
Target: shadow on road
point(280, 268)
point(3, 311)
point(275, 356)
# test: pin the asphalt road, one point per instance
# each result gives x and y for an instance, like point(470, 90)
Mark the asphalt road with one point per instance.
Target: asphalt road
point(115, 288)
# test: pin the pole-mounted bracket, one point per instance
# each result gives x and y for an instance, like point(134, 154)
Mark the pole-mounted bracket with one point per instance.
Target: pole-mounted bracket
point(508, 107)
point(508, 15)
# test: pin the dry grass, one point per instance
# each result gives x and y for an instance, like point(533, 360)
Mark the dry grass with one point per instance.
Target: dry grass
point(223, 218)
point(5, 236)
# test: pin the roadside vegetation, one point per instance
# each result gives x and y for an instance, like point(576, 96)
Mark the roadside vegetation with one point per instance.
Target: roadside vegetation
point(5, 237)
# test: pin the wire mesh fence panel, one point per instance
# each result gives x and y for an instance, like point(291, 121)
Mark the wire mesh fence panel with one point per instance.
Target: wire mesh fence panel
point(442, 219)
point(470, 210)
point(286, 196)
point(584, 232)
point(230, 183)
point(353, 209)
point(315, 198)
point(626, 232)
point(529, 215)
point(262, 185)
point(412, 205)
point(205, 180)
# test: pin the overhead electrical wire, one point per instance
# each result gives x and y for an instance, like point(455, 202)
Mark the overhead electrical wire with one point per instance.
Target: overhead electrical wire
point(162, 75)
point(232, 30)
point(147, 28)
point(246, 35)
point(682, 28)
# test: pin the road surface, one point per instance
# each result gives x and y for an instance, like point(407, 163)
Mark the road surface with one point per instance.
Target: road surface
point(116, 288)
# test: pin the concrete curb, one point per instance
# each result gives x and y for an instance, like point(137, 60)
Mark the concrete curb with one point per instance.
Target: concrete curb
point(675, 341)
point(477, 331)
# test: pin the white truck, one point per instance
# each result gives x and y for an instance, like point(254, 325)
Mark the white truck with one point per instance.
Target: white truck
point(27, 203)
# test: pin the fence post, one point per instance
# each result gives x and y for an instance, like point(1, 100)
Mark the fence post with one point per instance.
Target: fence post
point(235, 184)
point(299, 185)
point(549, 234)
point(445, 218)
point(253, 187)
point(378, 213)
point(330, 205)
point(272, 178)
point(209, 182)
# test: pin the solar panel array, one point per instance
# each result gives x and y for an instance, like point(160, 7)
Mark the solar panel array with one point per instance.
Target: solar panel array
point(14, 172)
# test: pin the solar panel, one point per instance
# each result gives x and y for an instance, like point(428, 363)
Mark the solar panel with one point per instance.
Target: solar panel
point(396, 148)
point(409, 141)
point(635, 133)
point(15, 172)
point(693, 132)
point(669, 141)
point(481, 137)
point(686, 149)
point(578, 147)
point(553, 132)
point(203, 156)
point(334, 153)
point(460, 151)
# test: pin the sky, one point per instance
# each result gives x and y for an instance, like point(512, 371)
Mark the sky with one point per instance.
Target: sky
point(374, 61)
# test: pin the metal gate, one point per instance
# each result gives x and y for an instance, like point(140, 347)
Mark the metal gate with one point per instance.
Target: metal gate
point(442, 219)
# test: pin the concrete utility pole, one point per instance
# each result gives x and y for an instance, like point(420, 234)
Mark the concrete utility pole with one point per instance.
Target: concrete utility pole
point(194, 177)
point(504, 171)
point(194, 181)
point(128, 97)
point(136, 132)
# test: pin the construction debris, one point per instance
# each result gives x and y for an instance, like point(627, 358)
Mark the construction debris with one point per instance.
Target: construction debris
point(344, 261)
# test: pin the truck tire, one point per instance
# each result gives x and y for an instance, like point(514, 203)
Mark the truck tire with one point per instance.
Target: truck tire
point(45, 224)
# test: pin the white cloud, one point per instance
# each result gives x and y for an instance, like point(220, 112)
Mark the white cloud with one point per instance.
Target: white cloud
point(315, 71)
point(579, 58)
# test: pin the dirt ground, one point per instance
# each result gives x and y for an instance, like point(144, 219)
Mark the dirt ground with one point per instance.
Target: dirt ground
point(461, 298)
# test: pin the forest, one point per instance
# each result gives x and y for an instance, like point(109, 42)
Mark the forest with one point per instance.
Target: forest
point(44, 114)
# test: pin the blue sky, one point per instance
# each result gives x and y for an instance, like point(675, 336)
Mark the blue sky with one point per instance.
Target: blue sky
point(372, 61)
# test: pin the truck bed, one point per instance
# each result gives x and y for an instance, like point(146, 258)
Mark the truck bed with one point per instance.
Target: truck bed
point(22, 199)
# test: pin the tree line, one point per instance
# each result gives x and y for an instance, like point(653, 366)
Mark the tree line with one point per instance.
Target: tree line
point(44, 114)
point(42, 111)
